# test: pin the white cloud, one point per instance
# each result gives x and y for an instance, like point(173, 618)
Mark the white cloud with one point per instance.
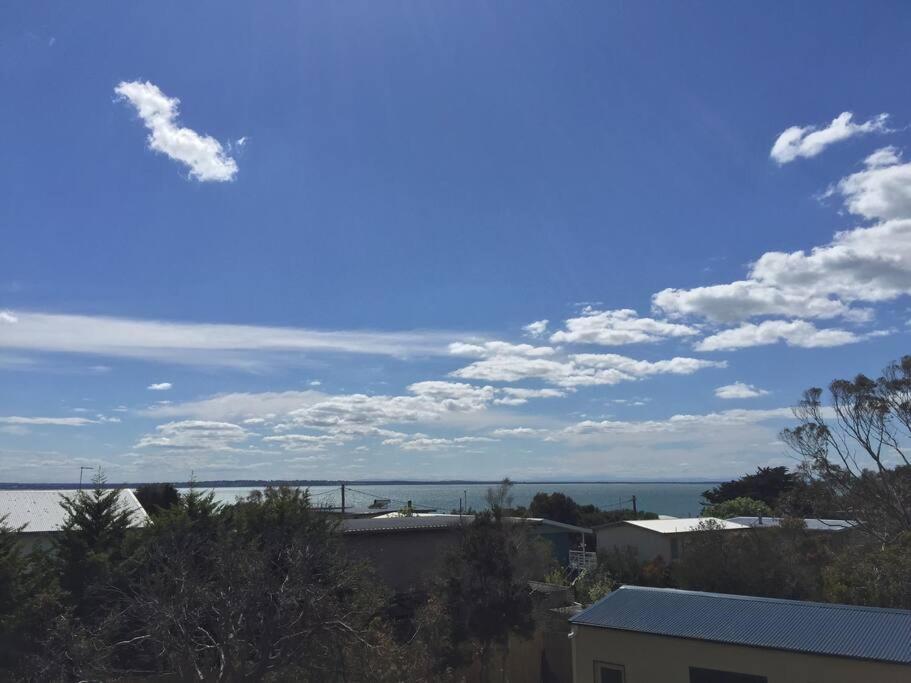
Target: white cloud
point(675, 426)
point(264, 406)
point(536, 329)
point(315, 383)
point(809, 141)
point(614, 328)
point(739, 390)
point(499, 348)
point(305, 442)
point(7, 317)
point(422, 442)
point(866, 264)
point(746, 299)
point(203, 154)
point(160, 386)
point(515, 396)
point(313, 421)
point(521, 432)
point(793, 333)
point(240, 346)
point(578, 369)
point(885, 156)
point(48, 421)
point(431, 401)
point(195, 435)
point(881, 191)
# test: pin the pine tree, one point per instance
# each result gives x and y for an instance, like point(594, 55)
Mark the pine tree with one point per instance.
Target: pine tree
point(90, 548)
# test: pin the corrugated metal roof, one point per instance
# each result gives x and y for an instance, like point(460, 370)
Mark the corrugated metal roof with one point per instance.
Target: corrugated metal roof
point(811, 627)
point(40, 511)
point(432, 521)
point(811, 524)
point(679, 526)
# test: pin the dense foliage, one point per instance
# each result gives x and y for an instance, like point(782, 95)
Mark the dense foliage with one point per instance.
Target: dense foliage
point(768, 485)
point(561, 508)
point(260, 590)
point(737, 507)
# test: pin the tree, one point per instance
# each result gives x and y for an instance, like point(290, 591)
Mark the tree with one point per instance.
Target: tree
point(875, 576)
point(556, 506)
point(28, 602)
point(594, 584)
point(156, 497)
point(859, 456)
point(482, 595)
point(783, 562)
point(767, 485)
point(89, 550)
point(499, 498)
point(260, 590)
point(737, 507)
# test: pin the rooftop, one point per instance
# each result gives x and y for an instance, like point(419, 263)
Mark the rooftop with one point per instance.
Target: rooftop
point(811, 524)
point(394, 522)
point(811, 627)
point(675, 526)
point(41, 511)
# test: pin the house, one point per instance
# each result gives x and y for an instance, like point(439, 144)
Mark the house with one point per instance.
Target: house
point(643, 635)
point(42, 515)
point(404, 550)
point(824, 525)
point(653, 538)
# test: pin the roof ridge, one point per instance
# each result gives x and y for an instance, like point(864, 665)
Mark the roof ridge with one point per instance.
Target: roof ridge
point(761, 598)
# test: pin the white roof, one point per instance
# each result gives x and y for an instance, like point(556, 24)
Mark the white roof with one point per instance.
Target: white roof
point(41, 511)
point(683, 525)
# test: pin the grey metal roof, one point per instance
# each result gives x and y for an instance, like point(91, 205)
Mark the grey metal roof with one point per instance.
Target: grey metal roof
point(811, 627)
point(417, 522)
point(40, 511)
point(811, 524)
point(433, 521)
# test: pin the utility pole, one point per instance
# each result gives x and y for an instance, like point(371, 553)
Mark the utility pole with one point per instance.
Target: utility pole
point(343, 499)
point(635, 511)
point(81, 469)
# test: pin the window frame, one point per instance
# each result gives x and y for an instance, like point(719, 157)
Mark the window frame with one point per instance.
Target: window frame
point(599, 666)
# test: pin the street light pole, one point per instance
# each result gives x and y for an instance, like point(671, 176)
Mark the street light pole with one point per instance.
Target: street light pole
point(81, 469)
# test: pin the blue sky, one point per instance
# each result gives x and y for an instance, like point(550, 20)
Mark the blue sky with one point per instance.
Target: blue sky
point(325, 256)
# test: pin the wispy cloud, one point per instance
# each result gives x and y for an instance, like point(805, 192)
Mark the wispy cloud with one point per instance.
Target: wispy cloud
point(203, 154)
point(204, 344)
point(160, 386)
point(48, 421)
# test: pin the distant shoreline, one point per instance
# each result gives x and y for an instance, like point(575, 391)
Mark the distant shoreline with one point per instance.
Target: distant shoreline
point(258, 483)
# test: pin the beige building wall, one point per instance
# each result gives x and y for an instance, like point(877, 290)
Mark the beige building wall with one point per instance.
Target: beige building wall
point(650, 659)
point(648, 544)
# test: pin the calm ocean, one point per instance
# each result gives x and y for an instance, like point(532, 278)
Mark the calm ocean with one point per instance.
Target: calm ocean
point(677, 499)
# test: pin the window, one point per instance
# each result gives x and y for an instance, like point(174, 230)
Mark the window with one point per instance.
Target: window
point(698, 675)
point(609, 673)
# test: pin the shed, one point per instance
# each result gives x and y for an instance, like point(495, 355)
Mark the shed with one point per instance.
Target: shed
point(41, 515)
point(653, 538)
point(638, 634)
point(405, 549)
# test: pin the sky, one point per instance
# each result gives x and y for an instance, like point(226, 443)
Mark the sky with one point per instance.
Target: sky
point(314, 240)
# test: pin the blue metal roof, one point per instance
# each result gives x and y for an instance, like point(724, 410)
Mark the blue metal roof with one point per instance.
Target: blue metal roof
point(812, 627)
